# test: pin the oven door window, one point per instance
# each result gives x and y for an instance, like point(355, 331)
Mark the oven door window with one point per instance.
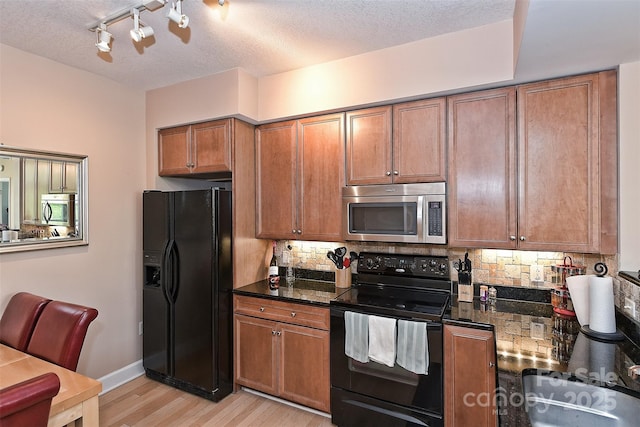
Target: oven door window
point(392, 218)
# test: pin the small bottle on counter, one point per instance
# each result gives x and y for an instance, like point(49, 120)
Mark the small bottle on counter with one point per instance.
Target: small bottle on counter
point(484, 293)
point(274, 277)
point(493, 295)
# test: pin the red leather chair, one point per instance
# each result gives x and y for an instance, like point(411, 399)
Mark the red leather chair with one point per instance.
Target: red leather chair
point(60, 332)
point(28, 403)
point(19, 319)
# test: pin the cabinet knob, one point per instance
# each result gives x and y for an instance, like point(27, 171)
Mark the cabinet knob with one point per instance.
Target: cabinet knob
point(273, 333)
point(293, 314)
point(522, 238)
point(293, 231)
point(491, 364)
point(395, 173)
point(299, 231)
point(512, 237)
point(261, 309)
point(388, 173)
point(279, 333)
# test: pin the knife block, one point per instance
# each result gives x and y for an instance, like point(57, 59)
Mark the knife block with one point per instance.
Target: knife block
point(465, 287)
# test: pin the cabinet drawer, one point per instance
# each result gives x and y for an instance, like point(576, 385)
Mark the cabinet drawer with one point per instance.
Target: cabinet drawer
point(280, 311)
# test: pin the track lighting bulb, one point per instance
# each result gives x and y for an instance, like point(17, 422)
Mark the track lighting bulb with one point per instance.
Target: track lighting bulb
point(104, 38)
point(139, 32)
point(221, 2)
point(174, 13)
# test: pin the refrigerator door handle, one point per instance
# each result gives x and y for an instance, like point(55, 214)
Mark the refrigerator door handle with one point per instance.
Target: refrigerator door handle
point(167, 274)
point(175, 270)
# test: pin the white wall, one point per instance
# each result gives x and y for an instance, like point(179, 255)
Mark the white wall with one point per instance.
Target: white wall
point(475, 57)
point(49, 106)
point(629, 155)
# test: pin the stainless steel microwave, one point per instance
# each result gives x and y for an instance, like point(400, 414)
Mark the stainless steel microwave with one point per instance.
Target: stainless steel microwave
point(406, 213)
point(58, 209)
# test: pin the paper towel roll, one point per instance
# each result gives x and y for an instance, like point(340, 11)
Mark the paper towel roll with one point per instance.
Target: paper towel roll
point(579, 291)
point(602, 317)
point(8, 235)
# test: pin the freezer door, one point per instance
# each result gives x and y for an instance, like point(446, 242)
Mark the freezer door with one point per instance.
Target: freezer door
point(155, 307)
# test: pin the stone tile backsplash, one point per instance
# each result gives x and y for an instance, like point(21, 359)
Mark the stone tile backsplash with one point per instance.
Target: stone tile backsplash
point(490, 266)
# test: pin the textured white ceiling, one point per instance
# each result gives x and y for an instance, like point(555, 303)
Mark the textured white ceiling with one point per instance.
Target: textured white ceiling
point(271, 36)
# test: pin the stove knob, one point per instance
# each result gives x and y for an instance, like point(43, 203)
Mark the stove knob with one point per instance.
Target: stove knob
point(443, 267)
point(369, 263)
point(432, 263)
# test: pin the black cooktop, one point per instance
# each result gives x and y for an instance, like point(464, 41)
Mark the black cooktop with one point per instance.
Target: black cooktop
point(412, 286)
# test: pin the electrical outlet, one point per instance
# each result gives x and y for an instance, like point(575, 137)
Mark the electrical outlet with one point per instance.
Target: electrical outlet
point(630, 307)
point(536, 273)
point(537, 330)
point(140, 328)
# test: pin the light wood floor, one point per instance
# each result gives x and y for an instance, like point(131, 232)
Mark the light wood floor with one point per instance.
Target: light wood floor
point(143, 402)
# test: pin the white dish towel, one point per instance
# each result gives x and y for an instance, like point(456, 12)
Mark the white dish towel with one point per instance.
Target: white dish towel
point(382, 340)
point(413, 347)
point(356, 340)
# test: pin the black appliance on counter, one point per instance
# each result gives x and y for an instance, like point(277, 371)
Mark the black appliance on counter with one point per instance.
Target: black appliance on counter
point(416, 288)
point(187, 301)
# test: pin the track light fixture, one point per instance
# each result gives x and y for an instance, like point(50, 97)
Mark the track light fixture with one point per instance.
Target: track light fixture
point(104, 38)
point(175, 14)
point(139, 31)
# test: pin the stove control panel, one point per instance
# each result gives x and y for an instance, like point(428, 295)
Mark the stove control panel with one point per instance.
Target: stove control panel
point(404, 265)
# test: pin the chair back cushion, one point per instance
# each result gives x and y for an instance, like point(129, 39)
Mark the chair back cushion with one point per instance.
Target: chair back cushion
point(19, 319)
point(28, 403)
point(60, 332)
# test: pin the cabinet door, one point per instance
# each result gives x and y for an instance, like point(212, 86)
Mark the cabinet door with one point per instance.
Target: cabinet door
point(320, 177)
point(173, 151)
point(211, 147)
point(368, 147)
point(419, 141)
point(304, 366)
point(276, 181)
point(482, 169)
point(469, 377)
point(63, 177)
point(256, 353)
point(558, 130)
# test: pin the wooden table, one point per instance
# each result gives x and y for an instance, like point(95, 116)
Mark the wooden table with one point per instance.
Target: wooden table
point(78, 395)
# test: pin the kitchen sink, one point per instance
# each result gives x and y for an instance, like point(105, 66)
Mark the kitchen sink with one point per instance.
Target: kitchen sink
point(560, 399)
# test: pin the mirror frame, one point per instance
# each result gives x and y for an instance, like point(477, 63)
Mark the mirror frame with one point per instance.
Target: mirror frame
point(83, 195)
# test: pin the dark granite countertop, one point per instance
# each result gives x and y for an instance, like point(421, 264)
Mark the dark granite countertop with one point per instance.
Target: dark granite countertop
point(303, 291)
point(632, 276)
point(531, 335)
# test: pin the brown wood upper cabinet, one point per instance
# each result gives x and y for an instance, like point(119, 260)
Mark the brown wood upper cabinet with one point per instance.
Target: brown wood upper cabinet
point(553, 190)
point(403, 143)
point(469, 377)
point(195, 150)
point(300, 174)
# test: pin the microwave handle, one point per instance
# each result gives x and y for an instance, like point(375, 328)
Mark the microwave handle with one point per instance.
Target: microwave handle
point(47, 212)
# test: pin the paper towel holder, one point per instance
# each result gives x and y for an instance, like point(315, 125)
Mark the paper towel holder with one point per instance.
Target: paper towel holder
point(601, 270)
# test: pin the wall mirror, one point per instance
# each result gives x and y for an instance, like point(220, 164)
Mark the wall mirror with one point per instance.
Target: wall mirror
point(43, 199)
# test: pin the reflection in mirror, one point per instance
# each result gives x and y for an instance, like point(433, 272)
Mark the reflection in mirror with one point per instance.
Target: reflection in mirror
point(43, 199)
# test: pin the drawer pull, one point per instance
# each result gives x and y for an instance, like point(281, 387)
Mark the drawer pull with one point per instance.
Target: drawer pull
point(261, 309)
point(293, 314)
point(279, 333)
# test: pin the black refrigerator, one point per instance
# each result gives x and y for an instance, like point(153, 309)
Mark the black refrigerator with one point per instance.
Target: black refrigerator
point(187, 286)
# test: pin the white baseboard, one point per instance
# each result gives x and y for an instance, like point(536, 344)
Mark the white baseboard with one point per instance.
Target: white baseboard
point(121, 376)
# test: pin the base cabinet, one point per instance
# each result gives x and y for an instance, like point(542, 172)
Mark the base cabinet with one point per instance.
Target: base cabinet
point(469, 377)
point(277, 352)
